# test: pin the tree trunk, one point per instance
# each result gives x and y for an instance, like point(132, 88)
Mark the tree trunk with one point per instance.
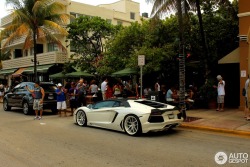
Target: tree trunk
point(204, 43)
point(181, 61)
point(35, 58)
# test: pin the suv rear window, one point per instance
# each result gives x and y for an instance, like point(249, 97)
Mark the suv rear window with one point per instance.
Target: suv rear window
point(48, 87)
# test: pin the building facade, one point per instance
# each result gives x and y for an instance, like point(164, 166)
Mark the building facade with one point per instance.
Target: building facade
point(50, 59)
point(244, 48)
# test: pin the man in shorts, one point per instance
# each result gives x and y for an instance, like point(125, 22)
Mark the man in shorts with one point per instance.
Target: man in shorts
point(38, 95)
point(221, 93)
point(61, 99)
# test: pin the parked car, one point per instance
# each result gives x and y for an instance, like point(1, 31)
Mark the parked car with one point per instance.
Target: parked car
point(19, 96)
point(130, 116)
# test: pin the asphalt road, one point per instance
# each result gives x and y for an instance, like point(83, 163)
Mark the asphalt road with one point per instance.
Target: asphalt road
point(57, 142)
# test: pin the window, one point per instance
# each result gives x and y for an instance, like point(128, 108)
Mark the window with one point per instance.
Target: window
point(72, 17)
point(104, 104)
point(132, 15)
point(18, 53)
point(109, 21)
point(25, 53)
point(32, 51)
point(119, 22)
point(52, 47)
point(72, 47)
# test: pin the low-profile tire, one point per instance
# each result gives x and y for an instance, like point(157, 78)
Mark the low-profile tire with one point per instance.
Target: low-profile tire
point(6, 106)
point(81, 118)
point(132, 125)
point(26, 108)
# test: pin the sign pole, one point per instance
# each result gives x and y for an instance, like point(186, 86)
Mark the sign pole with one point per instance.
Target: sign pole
point(141, 83)
point(141, 62)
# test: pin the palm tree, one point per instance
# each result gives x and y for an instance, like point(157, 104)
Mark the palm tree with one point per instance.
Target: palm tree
point(36, 20)
point(163, 6)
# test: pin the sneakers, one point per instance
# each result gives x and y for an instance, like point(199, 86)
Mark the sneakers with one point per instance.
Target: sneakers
point(38, 118)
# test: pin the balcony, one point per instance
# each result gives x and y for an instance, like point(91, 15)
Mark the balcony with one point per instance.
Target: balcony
point(17, 41)
point(44, 58)
point(6, 20)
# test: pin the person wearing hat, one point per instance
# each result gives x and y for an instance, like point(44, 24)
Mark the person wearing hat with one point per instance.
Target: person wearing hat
point(61, 99)
point(38, 95)
point(221, 93)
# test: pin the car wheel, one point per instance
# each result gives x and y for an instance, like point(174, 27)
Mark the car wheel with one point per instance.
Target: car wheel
point(6, 106)
point(132, 125)
point(81, 118)
point(26, 108)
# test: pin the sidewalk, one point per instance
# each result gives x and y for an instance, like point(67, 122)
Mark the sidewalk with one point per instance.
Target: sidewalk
point(228, 121)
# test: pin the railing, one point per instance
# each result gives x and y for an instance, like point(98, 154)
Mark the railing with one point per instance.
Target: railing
point(17, 41)
point(6, 20)
point(44, 58)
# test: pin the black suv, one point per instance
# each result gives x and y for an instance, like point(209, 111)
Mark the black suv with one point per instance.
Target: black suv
point(19, 96)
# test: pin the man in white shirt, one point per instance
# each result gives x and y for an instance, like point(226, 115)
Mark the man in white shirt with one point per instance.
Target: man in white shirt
point(157, 86)
point(103, 88)
point(221, 93)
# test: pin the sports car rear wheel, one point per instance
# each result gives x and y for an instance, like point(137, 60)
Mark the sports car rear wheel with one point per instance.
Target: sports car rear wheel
point(132, 125)
point(81, 118)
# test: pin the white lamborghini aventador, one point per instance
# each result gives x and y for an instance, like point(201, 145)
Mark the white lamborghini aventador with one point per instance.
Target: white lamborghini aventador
point(132, 116)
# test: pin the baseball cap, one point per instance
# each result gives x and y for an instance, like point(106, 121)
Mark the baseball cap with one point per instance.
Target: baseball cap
point(219, 77)
point(59, 84)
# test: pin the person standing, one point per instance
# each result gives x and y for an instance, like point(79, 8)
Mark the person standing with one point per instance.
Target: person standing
point(73, 95)
point(221, 93)
point(247, 96)
point(93, 88)
point(109, 91)
point(117, 89)
point(39, 94)
point(81, 93)
point(1, 92)
point(103, 88)
point(157, 86)
point(61, 100)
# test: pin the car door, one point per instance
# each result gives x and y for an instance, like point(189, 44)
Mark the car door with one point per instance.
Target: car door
point(102, 113)
point(19, 95)
point(12, 96)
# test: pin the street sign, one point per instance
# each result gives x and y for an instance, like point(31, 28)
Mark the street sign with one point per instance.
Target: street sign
point(141, 60)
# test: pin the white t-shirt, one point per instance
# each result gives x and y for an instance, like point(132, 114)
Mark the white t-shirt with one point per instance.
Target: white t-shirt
point(103, 86)
point(157, 87)
point(221, 88)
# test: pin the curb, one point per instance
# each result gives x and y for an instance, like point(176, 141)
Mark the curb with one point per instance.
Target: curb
point(236, 132)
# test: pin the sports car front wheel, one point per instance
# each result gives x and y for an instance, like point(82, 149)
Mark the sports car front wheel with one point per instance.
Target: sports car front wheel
point(81, 118)
point(132, 125)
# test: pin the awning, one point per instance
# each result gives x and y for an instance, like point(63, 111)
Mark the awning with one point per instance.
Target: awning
point(124, 72)
point(233, 57)
point(7, 71)
point(18, 72)
point(57, 75)
point(41, 68)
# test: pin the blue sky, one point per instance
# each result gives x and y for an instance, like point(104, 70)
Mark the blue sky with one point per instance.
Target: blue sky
point(144, 7)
